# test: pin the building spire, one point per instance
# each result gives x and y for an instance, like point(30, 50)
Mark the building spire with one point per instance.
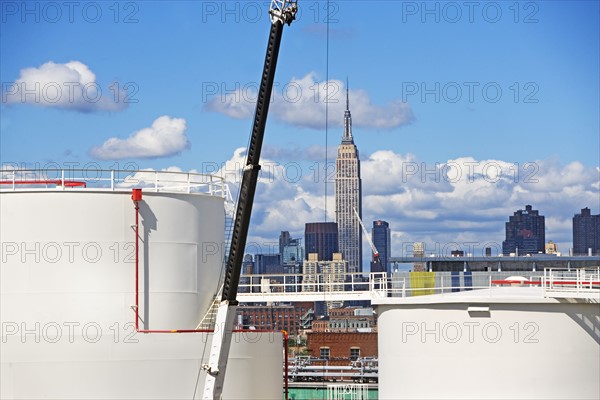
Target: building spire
point(347, 95)
point(347, 138)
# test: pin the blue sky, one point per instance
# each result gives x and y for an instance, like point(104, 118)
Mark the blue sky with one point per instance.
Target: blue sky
point(514, 84)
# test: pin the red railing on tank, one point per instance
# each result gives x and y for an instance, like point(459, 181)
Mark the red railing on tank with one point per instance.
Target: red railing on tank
point(57, 182)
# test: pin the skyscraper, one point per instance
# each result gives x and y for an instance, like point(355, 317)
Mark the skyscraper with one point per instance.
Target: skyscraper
point(332, 272)
point(293, 252)
point(418, 251)
point(348, 196)
point(284, 240)
point(586, 233)
point(321, 238)
point(268, 264)
point(381, 236)
point(525, 233)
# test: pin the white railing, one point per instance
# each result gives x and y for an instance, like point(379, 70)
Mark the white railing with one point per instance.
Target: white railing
point(298, 287)
point(310, 369)
point(348, 391)
point(310, 283)
point(580, 281)
point(113, 180)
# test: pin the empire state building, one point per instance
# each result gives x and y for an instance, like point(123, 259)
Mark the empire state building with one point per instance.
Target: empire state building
point(348, 195)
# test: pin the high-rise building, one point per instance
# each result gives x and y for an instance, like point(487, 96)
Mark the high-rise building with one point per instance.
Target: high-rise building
point(586, 233)
point(525, 233)
point(248, 265)
point(324, 276)
point(284, 240)
point(321, 238)
point(381, 236)
point(247, 269)
point(268, 264)
point(293, 252)
point(348, 196)
point(310, 273)
point(551, 248)
point(419, 252)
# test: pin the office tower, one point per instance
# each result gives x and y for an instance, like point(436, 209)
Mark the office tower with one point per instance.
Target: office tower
point(248, 265)
point(348, 195)
point(525, 233)
point(381, 236)
point(284, 240)
point(321, 238)
point(586, 233)
point(293, 252)
point(247, 269)
point(551, 248)
point(324, 276)
point(419, 252)
point(268, 264)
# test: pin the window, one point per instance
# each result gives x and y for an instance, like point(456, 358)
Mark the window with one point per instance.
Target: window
point(354, 353)
point(324, 353)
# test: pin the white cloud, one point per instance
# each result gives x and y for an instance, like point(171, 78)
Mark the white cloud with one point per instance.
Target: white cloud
point(301, 102)
point(462, 201)
point(166, 137)
point(296, 152)
point(70, 86)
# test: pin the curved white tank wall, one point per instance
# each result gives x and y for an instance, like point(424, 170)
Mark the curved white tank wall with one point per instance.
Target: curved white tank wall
point(520, 348)
point(69, 256)
point(67, 283)
point(123, 365)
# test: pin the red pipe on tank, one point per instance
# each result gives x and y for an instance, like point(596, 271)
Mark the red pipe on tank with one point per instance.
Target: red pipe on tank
point(137, 264)
point(136, 196)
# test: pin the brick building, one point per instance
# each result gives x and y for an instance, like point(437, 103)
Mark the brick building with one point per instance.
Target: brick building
point(339, 348)
point(277, 317)
point(347, 319)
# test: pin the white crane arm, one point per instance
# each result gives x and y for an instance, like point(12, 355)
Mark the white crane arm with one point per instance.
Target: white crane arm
point(373, 248)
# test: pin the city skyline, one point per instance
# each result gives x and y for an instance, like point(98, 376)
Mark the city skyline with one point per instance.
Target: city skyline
point(459, 120)
point(523, 220)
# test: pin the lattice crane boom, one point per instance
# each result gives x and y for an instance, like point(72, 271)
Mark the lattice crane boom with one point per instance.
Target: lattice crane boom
point(373, 248)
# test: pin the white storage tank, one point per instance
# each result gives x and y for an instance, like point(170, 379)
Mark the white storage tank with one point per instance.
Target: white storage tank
point(497, 343)
point(68, 291)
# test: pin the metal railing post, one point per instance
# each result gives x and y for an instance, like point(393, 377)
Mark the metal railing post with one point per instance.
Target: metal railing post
point(544, 283)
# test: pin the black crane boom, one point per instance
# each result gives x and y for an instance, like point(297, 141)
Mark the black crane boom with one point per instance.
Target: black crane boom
point(252, 169)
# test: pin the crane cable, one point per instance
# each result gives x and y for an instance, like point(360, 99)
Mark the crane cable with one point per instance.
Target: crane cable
point(325, 176)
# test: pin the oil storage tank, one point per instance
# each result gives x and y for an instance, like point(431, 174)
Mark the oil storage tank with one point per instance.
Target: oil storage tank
point(81, 256)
